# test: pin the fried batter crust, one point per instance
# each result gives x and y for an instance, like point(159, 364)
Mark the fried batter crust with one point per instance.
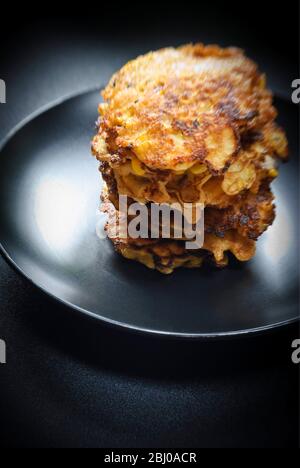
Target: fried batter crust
point(250, 213)
point(167, 255)
point(175, 107)
point(191, 125)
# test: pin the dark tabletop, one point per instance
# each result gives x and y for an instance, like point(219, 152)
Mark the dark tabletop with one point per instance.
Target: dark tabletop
point(71, 382)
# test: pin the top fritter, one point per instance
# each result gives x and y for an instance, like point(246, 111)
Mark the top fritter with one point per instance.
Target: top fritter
point(178, 107)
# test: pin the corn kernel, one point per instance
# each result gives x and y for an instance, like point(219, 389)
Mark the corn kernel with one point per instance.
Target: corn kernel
point(179, 173)
point(198, 169)
point(262, 81)
point(137, 167)
point(273, 173)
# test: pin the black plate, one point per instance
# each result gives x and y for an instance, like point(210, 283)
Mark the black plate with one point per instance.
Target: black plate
point(49, 197)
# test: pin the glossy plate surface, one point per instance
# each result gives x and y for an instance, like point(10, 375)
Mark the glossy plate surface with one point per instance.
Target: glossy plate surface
point(49, 198)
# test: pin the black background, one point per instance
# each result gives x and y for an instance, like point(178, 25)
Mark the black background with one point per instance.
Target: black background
point(70, 382)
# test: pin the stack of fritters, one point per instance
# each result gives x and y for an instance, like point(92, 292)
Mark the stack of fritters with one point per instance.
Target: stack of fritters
point(192, 125)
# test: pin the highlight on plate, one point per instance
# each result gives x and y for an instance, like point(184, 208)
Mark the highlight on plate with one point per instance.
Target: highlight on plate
point(193, 125)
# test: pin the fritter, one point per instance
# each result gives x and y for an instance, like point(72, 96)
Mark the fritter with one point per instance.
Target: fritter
point(177, 107)
point(166, 255)
point(194, 124)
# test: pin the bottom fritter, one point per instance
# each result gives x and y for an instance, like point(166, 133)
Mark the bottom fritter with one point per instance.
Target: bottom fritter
point(165, 255)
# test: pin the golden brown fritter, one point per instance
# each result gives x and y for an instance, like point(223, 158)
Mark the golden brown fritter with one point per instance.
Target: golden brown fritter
point(192, 125)
point(250, 214)
point(179, 157)
point(247, 173)
point(166, 255)
point(176, 107)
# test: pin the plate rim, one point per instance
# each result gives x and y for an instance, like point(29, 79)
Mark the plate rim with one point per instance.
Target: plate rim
point(248, 332)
